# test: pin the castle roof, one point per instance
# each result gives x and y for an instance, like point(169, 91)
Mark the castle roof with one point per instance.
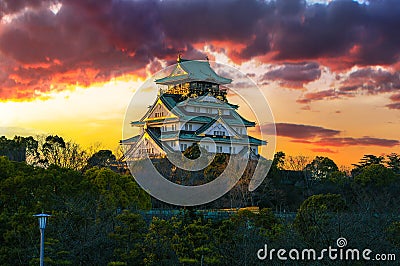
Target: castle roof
point(172, 103)
point(191, 71)
point(207, 100)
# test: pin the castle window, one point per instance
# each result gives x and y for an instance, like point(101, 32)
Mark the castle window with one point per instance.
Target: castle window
point(232, 150)
point(188, 127)
point(219, 133)
point(219, 149)
point(183, 147)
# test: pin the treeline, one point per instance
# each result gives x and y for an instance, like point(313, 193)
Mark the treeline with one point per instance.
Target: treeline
point(97, 219)
point(98, 213)
point(286, 189)
point(87, 207)
point(44, 151)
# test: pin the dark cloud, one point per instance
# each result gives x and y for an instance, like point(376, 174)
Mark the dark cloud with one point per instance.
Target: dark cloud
point(8, 7)
point(323, 150)
point(300, 131)
point(110, 37)
point(367, 81)
point(395, 97)
point(371, 81)
point(319, 95)
point(364, 141)
point(396, 102)
point(395, 106)
point(320, 136)
point(294, 75)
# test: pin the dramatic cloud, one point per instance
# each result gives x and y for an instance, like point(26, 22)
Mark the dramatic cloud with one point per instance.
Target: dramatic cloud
point(43, 48)
point(320, 95)
point(320, 136)
point(294, 75)
point(323, 150)
point(299, 131)
point(396, 99)
point(366, 81)
point(393, 106)
point(364, 141)
point(371, 81)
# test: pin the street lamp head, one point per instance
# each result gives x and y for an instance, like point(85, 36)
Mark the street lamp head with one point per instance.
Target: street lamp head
point(42, 219)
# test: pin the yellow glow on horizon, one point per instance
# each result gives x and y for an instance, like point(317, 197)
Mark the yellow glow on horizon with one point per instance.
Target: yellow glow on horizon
point(84, 115)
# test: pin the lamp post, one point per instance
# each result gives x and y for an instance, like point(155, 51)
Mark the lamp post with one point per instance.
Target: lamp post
point(42, 225)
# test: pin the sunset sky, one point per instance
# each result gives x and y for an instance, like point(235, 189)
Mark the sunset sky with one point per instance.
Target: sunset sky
point(329, 69)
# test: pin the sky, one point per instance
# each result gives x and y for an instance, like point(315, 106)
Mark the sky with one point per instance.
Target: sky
point(329, 69)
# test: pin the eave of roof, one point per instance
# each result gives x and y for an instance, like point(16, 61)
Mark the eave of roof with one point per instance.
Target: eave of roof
point(195, 71)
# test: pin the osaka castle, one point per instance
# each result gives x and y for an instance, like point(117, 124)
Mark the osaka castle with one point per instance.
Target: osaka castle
point(191, 108)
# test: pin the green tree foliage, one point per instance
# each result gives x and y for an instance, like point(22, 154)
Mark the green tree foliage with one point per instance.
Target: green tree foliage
point(217, 166)
point(158, 245)
point(129, 235)
point(375, 175)
point(194, 243)
point(393, 162)
point(365, 161)
point(192, 152)
point(102, 159)
point(56, 151)
point(314, 217)
point(279, 160)
point(393, 233)
point(244, 233)
point(321, 167)
point(117, 191)
point(19, 148)
point(84, 209)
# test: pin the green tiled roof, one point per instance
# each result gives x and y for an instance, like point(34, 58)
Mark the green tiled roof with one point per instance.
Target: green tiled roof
point(206, 101)
point(156, 139)
point(137, 123)
point(193, 71)
point(171, 101)
point(186, 135)
point(130, 140)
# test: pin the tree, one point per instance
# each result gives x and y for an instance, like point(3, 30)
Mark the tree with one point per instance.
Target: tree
point(54, 150)
point(158, 246)
point(216, 167)
point(375, 175)
point(279, 160)
point(18, 149)
point(84, 210)
point(321, 167)
point(102, 159)
point(296, 163)
point(314, 218)
point(194, 243)
point(117, 191)
point(393, 233)
point(393, 162)
point(365, 161)
point(129, 235)
point(192, 152)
